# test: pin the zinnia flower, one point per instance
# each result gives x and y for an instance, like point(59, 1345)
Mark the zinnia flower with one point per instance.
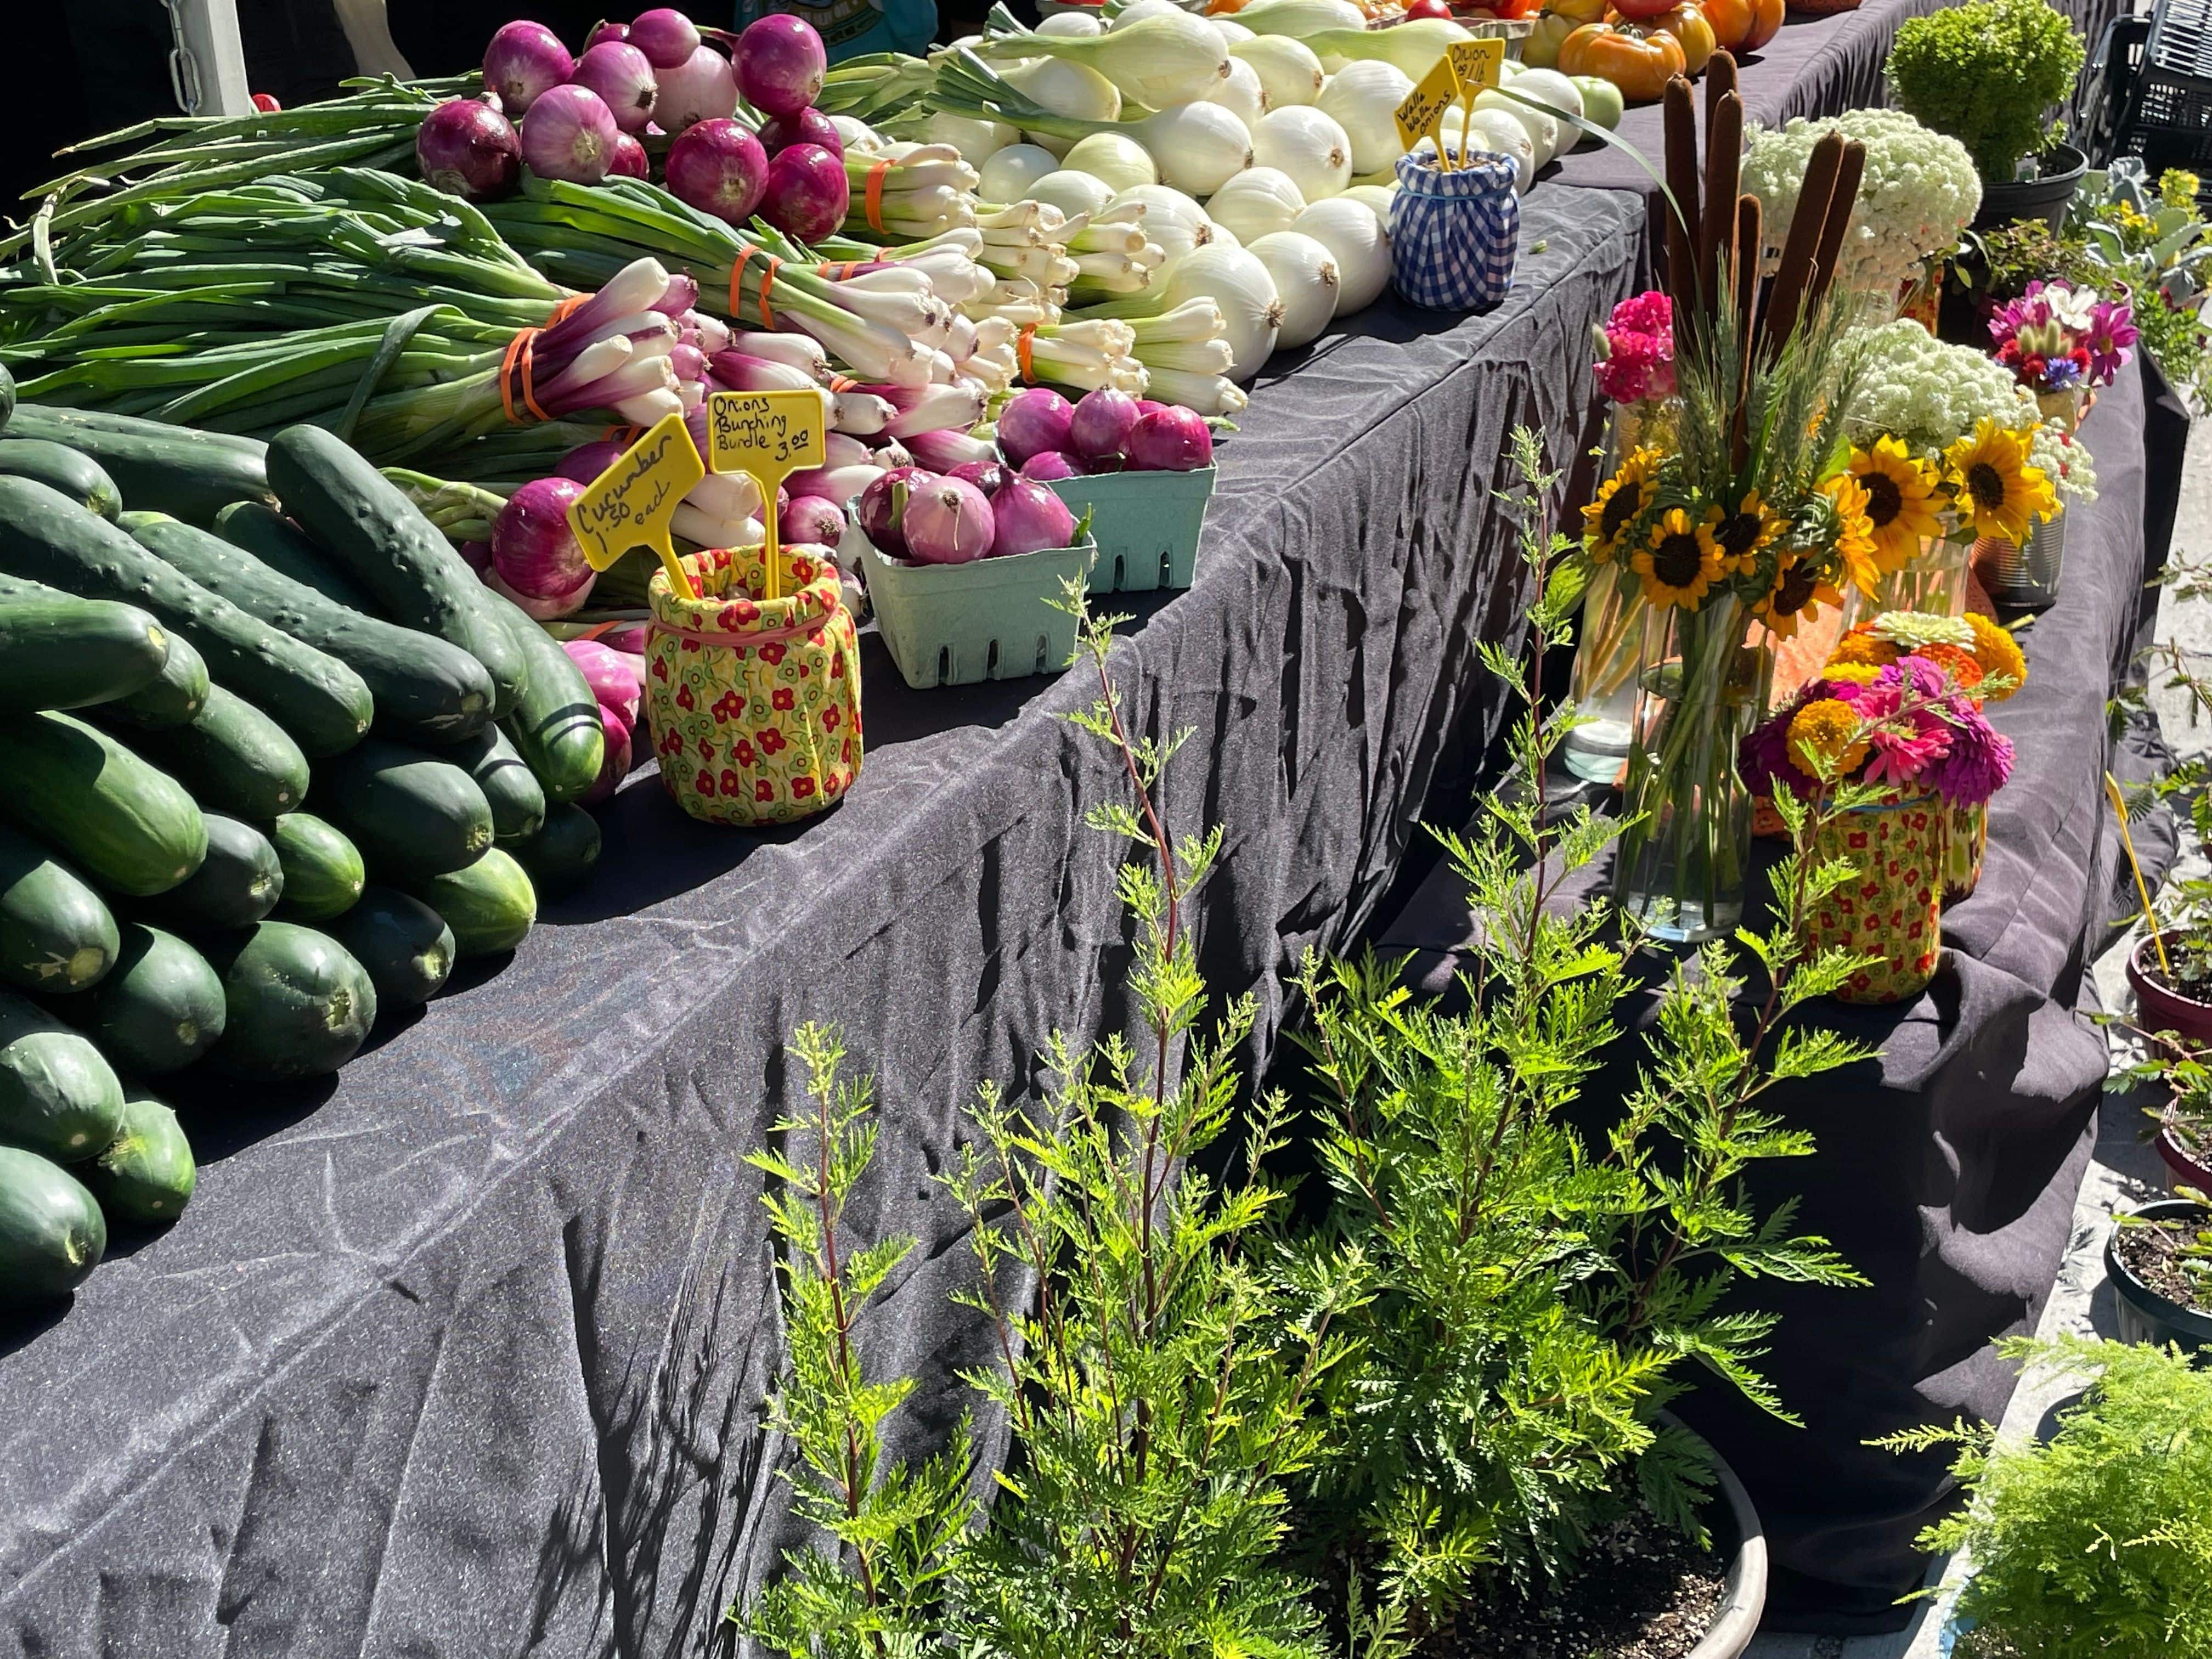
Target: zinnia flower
point(2000, 492)
point(1901, 501)
point(1906, 741)
point(1851, 673)
point(1621, 500)
point(1860, 646)
point(1825, 740)
point(1762, 759)
point(1963, 667)
point(1977, 762)
point(1999, 654)
point(1679, 561)
point(1911, 630)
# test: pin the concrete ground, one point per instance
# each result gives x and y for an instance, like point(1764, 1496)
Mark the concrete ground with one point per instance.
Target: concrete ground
point(2125, 1169)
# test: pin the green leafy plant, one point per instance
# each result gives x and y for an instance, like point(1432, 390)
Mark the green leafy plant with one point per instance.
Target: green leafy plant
point(1525, 1298)
point(2151, 241)
point(1999, 263)
point(2097, 1541)
point(1988, 73)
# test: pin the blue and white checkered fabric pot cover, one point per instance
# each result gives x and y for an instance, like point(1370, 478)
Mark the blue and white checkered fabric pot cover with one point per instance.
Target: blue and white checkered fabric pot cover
point(1454, 236)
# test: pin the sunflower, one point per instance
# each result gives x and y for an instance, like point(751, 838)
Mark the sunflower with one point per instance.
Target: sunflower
point(1800, 590)
point(1999, 490)
point(1621, 500)
point(1824, 739)
point(1901, 501)
point(1743, 532)
point(1679, 561)
point(1999, 654)
point(1860, 646)
point(1856, 542)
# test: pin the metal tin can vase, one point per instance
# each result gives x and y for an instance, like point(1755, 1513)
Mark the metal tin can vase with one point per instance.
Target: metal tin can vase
point(1454, 236)
point(1892, 907)
point(2025, 575)
point(1965, 843)
point(754, 704)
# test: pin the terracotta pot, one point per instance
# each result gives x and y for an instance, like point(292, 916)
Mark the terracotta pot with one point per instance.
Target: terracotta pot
point(2181, 1170)
point(2145, 1315)
point(1743, 1592)
point(2157, 1008)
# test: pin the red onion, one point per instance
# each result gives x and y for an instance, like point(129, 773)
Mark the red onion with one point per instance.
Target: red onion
point(1145, 406)
point(466, 148)
point(780, 64)
point(943, 449)
point(718, 168)
point(585, 462)
point(604, 31)
point(619, 73)
point(1100, 425)
point(524, 61)
point(810, 519)
point(665, 36)
point(267, 104)
point(1170, 439)
point(1049, 464)
point(628, 159)
point(1105, 463)
point(476, 556)
point(879, 509)
point(608, 672)
point(1035, 419)
point(809, 126)
point(569, 134)
point(1027, 515)
point(702, 88)
point(807, 193)
point(989, 477)
point(539, 610)
point(533, 549)
point(947, 522)
point(614, 767)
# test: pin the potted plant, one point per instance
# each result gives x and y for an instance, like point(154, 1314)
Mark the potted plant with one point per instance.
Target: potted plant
point(2171, 973)
point(2096, 1543)
point(2160, 1261)
point(1989, 73)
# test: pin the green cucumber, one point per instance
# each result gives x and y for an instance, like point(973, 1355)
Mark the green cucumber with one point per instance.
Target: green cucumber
point(409, 813)
point(233, 758)
point(134, 830)
point(56, 933)
point(173, 697)
point(562, 851)
point(58, 1095)
point(159, 1010)
point(424, 687)
point(489, 906)
point(7, 395)
point(378, 537)
point(318, 699)
point(517, 800)
point(147, 1174)
point(158, 467)
point(323, 871)
point(257, 528)
point(299, 1004)
point(51, 1232)
point(404, 943)
point(58, 466)
point(556, 726)
point(67, 652)
point(237, 884)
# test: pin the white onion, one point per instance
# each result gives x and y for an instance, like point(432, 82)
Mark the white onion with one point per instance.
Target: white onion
point(857, 135)
point(1075, 90)
point(1289, 72)
point(1224, 236)
point(1241, 286)
point(1231, 30)
point(1197, 146)
point(1377, 196)
point(1007, 176)
point(1550, 87)
point(1543, 130)
point(1072, 193)
point(1242, 95)
point(1072, 26)
point(1255, 203)
point(1137, 8)
point(1173, 222)
point(1306, 283)
point(976, 141)
point(1497, 132)
point(1363, 99)
point(1358, 241)
point(1119, 162)
point(1301, 17)
point(1308, 145)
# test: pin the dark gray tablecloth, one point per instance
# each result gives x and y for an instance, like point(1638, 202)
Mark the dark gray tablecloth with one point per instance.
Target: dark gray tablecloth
point(1947, 1167)
point(462, 1354)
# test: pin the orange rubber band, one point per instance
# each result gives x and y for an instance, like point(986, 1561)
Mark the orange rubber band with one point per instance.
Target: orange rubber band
point(875, 194)
point(768, 281)
point(521, 354)
point(744, 254)
point(842, 383)
point(1022, 352)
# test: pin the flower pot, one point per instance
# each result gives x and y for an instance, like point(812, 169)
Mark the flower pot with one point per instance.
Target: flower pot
point(1892, 907)
point(1743, 1592)
point(2181, 1169)
point(2159, 1009)
point(2045, 197)
point(2144, 1315)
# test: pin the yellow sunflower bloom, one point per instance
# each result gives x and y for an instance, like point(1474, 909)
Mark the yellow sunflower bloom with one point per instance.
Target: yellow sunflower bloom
point(1855, 541)
point(1743, 533)
point(1800, 590)
point(1824, 739)
point(1999, 654)
point(1902, 503)
point(1678, 562)
point(1621, 500)
point(2000, 491)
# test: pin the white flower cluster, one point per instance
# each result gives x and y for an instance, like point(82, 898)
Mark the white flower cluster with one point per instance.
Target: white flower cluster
point(1919, 190)
point(1927, 395)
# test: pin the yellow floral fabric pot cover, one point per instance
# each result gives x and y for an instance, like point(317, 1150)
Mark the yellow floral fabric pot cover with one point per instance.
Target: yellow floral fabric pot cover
point(754, 705)
point(1892, 907)
point(1967, 839)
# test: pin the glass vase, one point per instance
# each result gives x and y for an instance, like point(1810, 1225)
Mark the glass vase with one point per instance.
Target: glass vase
point(1682, 862)
point(1934, 580)
point(1603, 687)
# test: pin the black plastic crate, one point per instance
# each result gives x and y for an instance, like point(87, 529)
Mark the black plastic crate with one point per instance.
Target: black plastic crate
point(2161, 71)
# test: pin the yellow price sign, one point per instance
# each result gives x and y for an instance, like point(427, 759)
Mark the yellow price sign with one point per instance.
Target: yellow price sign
point(770, 435)
point(1476, 63)
point(1422, 113)
point(632, 502)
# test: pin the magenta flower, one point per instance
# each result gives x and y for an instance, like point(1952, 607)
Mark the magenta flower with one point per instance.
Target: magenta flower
point(1648, 313)
point(1906, 735)
point(1639, 342)
point(1978, 761)
point(2112, 330)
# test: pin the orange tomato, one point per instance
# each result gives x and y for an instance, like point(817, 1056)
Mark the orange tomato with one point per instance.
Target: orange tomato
point(1639, 61)
point(1642, 11)
point(1689, 25)
point(1539, 47)
point(1582, 11)
point(1514, 9)
point(1741, 26)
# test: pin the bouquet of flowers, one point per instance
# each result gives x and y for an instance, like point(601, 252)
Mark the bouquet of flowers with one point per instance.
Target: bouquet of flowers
point(1636, 350)
point(2059, 339)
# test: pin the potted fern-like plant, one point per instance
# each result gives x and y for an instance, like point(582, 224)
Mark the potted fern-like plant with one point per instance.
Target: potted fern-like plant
point(2159, 1261)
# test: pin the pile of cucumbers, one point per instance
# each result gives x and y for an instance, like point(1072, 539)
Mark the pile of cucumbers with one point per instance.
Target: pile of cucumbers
point(273, 758)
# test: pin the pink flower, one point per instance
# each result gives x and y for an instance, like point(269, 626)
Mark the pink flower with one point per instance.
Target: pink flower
point(1639, 350)
point(1980, 760)
point(1906, 734)
point(1648, 313)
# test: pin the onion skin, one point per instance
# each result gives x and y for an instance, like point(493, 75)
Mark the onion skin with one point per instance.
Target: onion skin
point(1034, 420)
point(609, 31)
point(809, 126)
point(619, 73)
point(467, 148)
point(1100, 423)
point(614, 767)
point(1049, 464)
point(988, 476)
point(1170, 439)
point(533, 549)
point(585, 462)
point(628, 159)
point(807, 192)
point(524, 61)
point(780, 64)
point(1027, 516)
point(704, 88)
point(665, 35)
point(614, 682)
point(877, 512)
point(948, 522)
point(569, 134)
point(719, 168)
point(810, 519)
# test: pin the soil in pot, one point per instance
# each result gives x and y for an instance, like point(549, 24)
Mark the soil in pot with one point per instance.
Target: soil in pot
point(1644, 1592)
point(2153, 1254)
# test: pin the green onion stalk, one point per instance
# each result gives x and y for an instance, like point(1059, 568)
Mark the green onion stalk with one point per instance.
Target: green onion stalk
point(868, 88)
point(926, 189)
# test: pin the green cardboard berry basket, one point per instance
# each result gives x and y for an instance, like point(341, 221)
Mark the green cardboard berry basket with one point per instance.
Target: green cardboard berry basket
point(954, 624)
point(1146, 526)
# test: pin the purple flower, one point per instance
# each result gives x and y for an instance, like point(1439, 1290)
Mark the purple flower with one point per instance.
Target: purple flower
point(2112, 330)
point(1762, 759)
point(1978, 761)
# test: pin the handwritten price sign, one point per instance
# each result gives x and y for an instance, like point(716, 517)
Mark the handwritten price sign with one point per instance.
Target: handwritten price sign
point(770, 435)
point(631, 503)
point(1420, 116)
point(1478, 63)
